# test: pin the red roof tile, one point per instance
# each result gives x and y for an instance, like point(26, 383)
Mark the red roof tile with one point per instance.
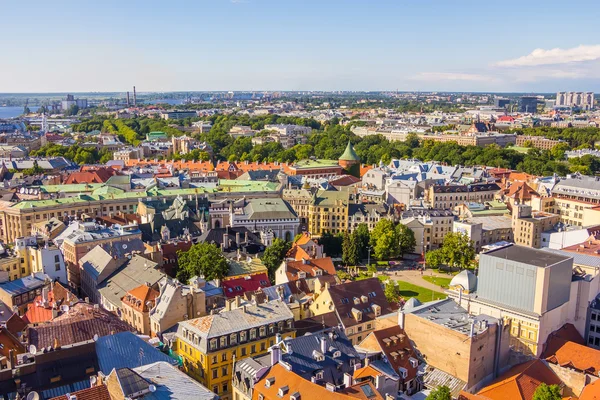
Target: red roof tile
point(92, 393)
point(239, 286)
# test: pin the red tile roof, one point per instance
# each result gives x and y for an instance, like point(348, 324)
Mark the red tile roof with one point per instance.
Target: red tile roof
point(92, 393)
point(239, 286)
point(98, 175)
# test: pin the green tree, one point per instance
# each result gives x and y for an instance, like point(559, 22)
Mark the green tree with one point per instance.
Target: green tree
point(406, 238)
point(545, 392)
point(440, 393)
point(434, 258)
point(392, 291)
point(458, 250)
point(274, 255)
point(332, 244)
point(362, 240)
point(26, 110)
point(72, 110)
point(202, 259)
point(384, 240)
point(350, 249)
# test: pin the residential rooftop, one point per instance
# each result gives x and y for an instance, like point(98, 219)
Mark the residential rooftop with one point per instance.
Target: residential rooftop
point(527, 255)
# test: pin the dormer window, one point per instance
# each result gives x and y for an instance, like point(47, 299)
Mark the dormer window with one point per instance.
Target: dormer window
point(319, 375)
point(223, 341)
point(213, 344)
point(356, 300)
point(243, 336)
point(283, 391)
point(269, 382)
point(263, 331)
point(413, 362)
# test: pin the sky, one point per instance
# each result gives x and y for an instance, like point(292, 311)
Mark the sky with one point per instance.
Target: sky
point(256, 45)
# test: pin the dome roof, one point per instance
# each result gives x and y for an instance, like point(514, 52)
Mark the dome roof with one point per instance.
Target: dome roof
point(466, 279)
point(349, 154)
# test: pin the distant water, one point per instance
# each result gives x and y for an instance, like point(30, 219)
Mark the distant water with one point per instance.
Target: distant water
point(11, 112)
point(172, 102)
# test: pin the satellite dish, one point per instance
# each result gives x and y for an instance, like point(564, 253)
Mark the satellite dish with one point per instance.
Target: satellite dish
point(33, 396)
point(93, 380)
point(33, 349)
point(152, 388)
point(96, 337)
point(124, 246)
point(64, 308)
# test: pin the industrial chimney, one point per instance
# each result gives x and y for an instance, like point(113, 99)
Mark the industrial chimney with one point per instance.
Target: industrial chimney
point(127, 99)
point(134, 97)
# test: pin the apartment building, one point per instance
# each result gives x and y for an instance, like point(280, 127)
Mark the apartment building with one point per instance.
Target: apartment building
point(430, 226)
point(82, 237)
point(450, 196)
point(32, 255)
point(528, 225)
point(178, 302)
point(538, 142)
point(136, 306)
point(209, 345)
point(577, 197)
point(485, 230)
point(358, 304)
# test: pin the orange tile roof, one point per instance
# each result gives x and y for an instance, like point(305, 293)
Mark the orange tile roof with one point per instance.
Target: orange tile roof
point(37, 312)
point(310, 267)
point(521, 191)
point(250, 166)
point(396, 346)
point(591, 391)
point(364, 169)
point(520, 382)
point(138, 297)
point(571, 354)
point(307, 389)
point(92, 393)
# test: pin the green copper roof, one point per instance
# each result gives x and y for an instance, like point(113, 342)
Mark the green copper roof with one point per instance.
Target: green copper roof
point(349, 154)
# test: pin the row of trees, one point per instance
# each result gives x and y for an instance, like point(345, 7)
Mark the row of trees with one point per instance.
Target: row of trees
point(76, 153)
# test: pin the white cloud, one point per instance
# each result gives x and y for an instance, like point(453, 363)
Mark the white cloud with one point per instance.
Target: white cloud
point(554, 56)
point(450, 76)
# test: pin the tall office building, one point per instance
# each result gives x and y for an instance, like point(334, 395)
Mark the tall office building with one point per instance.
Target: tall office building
point(584, 100)
point(501, 102)
point(528, 104)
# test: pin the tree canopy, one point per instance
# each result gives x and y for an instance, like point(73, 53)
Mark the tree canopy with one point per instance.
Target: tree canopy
point(202, 259)
point(456, 251)
point(274, 255)
point(547, 392)
point(440, 393)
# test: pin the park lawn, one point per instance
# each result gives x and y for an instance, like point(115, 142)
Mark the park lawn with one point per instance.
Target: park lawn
point(443, 282)
point(408, 290)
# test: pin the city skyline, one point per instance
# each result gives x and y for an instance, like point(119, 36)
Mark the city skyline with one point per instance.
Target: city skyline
point(248, 45)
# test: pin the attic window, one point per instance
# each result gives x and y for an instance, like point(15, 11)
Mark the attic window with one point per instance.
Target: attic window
point(283, 391)
point(372, 294)
point(413, 362)
point(345, 300)
point(356, 300)
point(270, 381)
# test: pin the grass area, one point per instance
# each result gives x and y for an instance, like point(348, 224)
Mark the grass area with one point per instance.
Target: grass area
point(443, 282)
point(520, 149)
point(443, 271)
point(383, 264)
point(408, 290)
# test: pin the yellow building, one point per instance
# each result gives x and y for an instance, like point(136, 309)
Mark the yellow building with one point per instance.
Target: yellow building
point(209, 345)
point(323, 211)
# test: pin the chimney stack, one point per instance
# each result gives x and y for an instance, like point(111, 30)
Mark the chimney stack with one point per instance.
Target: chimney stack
point(134, 97)
point(347, 380)
point(401, 319)
point(323, 343)
point(275, 354)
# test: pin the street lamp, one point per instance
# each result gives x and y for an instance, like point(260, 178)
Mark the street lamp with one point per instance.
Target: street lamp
point(368, 256)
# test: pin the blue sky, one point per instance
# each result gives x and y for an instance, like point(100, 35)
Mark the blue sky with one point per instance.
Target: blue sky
point(299, 45)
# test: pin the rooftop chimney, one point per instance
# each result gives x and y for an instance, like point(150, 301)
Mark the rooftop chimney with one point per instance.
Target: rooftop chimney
point(323, 343)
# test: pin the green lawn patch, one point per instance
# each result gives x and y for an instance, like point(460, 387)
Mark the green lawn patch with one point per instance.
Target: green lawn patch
point(443, 282)
point(408, 290)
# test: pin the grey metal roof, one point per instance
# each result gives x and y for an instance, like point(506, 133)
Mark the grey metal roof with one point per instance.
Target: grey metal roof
point(448, 313)
point(578, 258)
point(127, 350)
point(227, 322)
point(305, 363)
point(527, 255)
point(172, 384)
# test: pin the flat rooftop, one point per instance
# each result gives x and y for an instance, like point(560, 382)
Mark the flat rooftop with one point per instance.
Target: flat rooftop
point(527, 255)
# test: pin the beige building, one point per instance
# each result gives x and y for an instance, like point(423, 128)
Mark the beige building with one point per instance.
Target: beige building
point(430, 226)
point(528, 225)
point(177, 302)
point(450, 196)
point(358, 305)
point(449, 339)
point(136, 306)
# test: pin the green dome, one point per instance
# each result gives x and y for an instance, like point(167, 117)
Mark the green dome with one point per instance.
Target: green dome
point(350, 154)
